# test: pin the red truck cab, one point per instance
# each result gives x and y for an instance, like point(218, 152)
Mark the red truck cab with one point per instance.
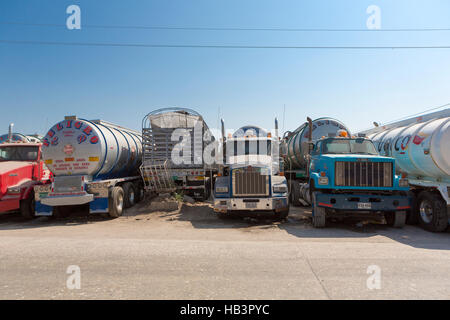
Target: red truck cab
point(21, 168)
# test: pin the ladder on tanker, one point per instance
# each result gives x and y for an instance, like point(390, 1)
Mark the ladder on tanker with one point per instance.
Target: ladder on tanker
point(157, 178)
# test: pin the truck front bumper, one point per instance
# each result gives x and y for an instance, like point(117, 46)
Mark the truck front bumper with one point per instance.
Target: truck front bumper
point(277, 204)
point(67, 199)
point(358, 202)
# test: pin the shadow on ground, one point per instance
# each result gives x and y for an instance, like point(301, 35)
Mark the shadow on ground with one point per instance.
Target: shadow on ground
point(13, 220)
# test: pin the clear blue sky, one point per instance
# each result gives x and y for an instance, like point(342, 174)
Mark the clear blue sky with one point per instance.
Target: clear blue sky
point(41, 84)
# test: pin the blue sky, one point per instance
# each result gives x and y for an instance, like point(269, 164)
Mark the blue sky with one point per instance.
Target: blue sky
point(41, 84)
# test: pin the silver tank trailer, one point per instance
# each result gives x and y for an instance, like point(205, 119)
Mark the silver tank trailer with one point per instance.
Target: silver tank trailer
point(18, 137)
point(295, 145)
point(94, 148)
point(420, 149)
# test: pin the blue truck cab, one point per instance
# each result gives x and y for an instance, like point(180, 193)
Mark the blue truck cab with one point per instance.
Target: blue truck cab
point(348, 174)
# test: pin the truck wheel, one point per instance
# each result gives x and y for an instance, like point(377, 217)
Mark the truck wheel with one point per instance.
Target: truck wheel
point(116, 202)
point(295, 194)
point(412, 216)
point(432, 212)
point(27, 208)
point(282, 215)
point(129, 194)
point(207, 193)
point(396, 219)
point(319, 216)
point(140, 193)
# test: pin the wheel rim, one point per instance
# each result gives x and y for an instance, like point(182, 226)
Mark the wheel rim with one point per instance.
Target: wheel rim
point(119, 204)
point(426, 211)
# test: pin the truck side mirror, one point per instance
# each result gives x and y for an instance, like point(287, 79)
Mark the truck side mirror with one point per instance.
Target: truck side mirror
point(311, 146)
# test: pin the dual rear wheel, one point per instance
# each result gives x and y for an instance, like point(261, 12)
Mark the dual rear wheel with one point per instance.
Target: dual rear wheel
point(123, 197)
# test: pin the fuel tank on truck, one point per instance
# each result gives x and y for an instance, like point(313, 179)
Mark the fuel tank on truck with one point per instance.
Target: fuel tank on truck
point(295, 147)
point(18, 137)
point(419, 149)
point(95, 148)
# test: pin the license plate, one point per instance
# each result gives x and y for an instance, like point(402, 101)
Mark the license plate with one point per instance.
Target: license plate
point(364, 205)
point(250, 205)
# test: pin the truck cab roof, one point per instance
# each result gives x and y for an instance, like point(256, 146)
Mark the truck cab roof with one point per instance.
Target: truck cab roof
point(20, 144)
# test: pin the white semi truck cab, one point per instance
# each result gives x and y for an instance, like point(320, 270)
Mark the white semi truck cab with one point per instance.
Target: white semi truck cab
point(250, 182)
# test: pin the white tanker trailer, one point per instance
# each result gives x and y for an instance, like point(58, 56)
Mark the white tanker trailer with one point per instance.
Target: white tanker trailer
point(421, 148)
point(94, 163)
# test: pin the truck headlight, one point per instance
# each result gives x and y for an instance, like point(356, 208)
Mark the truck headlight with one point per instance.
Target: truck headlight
point(403, 183)
point(221, 189)
point(14, 190)
point(323, 180)
point(280, 188)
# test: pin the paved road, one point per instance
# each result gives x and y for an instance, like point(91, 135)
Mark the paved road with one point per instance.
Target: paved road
point(191, 254)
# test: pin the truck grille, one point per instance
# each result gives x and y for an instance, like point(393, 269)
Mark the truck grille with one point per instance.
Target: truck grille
point(363, 174)
point(63, 184)
point(250, 181)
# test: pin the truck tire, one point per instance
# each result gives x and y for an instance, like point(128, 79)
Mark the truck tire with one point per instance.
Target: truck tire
point(140, 193)
point(129, 192)
point(319, 216)
point(27, 209)
point(432, 212)
point(207, 193)
point(282, 215)
point(412, 215)
point(295, 194)
point(396, 219)
point(116, 202)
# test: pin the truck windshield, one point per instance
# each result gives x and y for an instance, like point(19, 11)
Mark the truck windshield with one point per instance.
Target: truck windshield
point(345, 146)
point(253, 147)
point(18, 153)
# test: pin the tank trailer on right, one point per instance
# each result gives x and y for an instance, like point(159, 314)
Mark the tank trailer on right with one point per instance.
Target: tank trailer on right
point(421, 148)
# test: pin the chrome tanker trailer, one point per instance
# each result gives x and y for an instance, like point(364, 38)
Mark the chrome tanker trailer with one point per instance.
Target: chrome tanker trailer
point(174, 143)
point(94, 163)
point(18, 137)
point(340, 175)
point(421, 148)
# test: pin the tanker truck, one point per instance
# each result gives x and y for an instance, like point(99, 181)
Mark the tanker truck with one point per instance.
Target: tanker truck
point(250, 183)
point(340, 175)
point(19, 137)
point(95, 166)
point(421, 148)
point(174, 142)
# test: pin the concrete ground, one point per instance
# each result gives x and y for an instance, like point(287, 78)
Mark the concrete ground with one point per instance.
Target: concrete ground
point(191, 254)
